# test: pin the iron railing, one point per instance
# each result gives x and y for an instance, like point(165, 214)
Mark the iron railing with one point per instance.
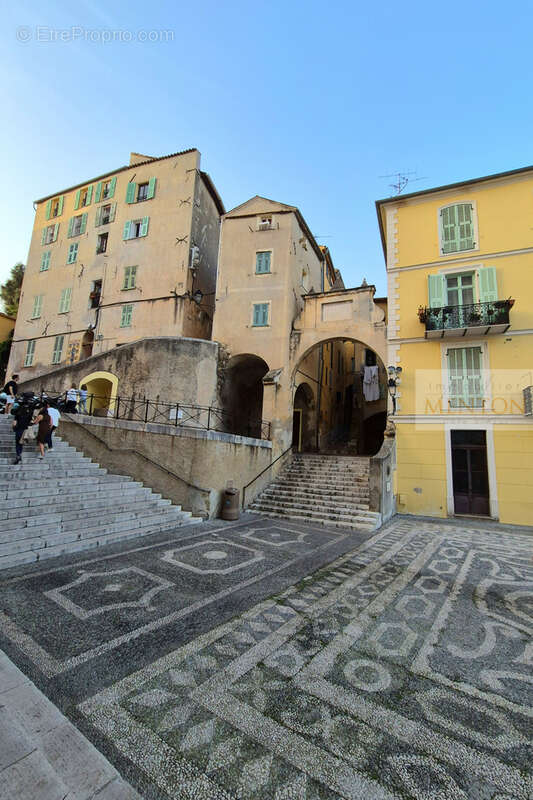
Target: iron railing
point(178, 415)
point(472, 315)
point(259, 474)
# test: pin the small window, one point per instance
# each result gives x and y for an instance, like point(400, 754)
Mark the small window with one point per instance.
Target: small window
point(45, 261)
point(136, 228)
point(37, 306)
point(49, 234)
point(460, 289)
point(58, 349)
point(262, 262)
point(130, 275)
point(101, 244)
point(72, 253)
point(142, 192)
point(457, 228)
point(84, 197)
point(107, 189)
point(30, 350)
point(127, 313)
point(95, 294)
point(260, 315)
point(77, 225)
point(264, 223)
point(64, 303)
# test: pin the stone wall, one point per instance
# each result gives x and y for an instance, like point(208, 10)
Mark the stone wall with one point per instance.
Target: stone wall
point(189, 466)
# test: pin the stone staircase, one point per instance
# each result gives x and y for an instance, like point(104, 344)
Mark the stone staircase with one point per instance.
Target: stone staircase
point(329, 490)
point(66, 503)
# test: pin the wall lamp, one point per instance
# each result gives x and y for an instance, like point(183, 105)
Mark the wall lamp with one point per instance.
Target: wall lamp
point(394, 380)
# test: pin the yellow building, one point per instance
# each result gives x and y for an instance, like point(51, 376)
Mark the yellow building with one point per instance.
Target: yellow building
point(129, 254)
point(460, 325)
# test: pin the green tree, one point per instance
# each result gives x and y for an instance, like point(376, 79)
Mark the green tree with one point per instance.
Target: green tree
point(10, 290)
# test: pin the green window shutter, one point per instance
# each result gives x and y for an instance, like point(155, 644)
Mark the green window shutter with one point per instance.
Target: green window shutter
point(89, 196)
point(129, 277)
point(83, 223)
point(126, 233)
point(112, 212)
point(130, 192)
point(70, 226)
point(77, 200)
point(43, 236)
point(37, 306)
point(262, 262)
point(449, 231)
point(48, 209)
point(125, 319)
point(58, 349)
point(61, 203)
point(64, 303)
point(45, 260)
point(56, 231)
point(488, 287)
point(255, 320)
point(72, 253)
point(151, 188)
point(112, 188)
point(98, 192)
point(30, 350)
point(260, 317)
point(98, 217)
point(466, 226)
point(465, 380)
point(436, 291)
point(144, 226)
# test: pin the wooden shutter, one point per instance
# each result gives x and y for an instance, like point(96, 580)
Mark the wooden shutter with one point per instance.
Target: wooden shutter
point(43, 236)
point(488, 287)
point(144, 226)
point(151, 188)
point(473, 377)
point(89, 196)
point(72, 253)
point(70, 226)
point(449, 232)
point(37, 306)
point(77, 200)
point(465, 380)
point(48, 209)
point(126, 232)
point(64, 303)
point(98, 192)
point(465, 226)
point(58, 349)
point(83, 223)
point(262, 263)
point(45, 260)
point(56, 231)
point(112, 212)
point(61, 203)
point(436, 291)
point(112, 187)
point(130, 192)
point(98, 217)
point(30, 349)
point(125, 320)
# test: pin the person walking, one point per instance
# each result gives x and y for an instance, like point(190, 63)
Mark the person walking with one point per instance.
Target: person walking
point(45, 423)
point(71, 398)
point(83, 399)
point(11, 389)
point(55, 416)
point(23, 417)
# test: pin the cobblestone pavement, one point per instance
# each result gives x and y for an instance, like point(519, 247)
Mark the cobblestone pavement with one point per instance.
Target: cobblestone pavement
point(402, 669)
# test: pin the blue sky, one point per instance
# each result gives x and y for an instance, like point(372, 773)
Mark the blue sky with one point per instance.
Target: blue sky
point(308, 103)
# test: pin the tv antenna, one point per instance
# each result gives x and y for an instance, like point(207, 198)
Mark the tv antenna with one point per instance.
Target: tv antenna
point(402, 179)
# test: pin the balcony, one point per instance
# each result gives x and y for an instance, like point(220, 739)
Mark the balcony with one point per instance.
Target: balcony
point(476, 319)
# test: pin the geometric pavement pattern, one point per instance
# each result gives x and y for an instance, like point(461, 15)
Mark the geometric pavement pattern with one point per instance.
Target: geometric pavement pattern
point(404, 669)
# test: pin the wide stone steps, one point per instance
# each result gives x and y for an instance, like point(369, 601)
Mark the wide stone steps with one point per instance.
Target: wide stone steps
point(329, 490)
point(65, 503)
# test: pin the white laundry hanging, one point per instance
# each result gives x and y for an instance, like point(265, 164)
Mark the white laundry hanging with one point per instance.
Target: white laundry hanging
point(371, 384)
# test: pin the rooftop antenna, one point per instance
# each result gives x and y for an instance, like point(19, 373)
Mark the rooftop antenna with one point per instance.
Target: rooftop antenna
point(402, 179)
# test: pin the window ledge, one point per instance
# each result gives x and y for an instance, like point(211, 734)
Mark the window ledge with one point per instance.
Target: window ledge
point(128, 288)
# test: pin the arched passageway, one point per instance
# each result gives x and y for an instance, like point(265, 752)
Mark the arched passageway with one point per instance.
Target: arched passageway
point(102, 388)
point(350, 385)
point(303, 426)
point(242, 394)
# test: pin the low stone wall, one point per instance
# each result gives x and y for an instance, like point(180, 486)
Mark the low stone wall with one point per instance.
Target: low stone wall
point(191, 467)
point(381, 497)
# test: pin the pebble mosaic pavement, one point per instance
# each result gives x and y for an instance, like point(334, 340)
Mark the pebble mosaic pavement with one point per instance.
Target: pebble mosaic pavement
point(402, 669)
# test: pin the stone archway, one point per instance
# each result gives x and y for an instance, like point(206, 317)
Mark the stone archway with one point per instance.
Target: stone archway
point(102, 390)
point(242, 394)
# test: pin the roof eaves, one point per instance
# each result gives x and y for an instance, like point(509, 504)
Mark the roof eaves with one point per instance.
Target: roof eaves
point(210, 186)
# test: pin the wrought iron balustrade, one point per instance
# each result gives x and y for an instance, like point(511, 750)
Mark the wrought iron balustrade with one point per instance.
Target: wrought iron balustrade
point(489, 315)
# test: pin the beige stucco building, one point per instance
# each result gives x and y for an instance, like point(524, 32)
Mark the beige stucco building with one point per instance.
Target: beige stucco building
point(126, 255)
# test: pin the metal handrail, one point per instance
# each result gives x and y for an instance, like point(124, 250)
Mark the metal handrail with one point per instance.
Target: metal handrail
point(495, 312)
point(244, 488)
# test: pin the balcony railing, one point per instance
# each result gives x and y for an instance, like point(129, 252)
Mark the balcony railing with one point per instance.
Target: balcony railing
point(472, 319)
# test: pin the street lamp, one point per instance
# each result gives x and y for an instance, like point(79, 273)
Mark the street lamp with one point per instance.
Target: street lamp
point(394, 380)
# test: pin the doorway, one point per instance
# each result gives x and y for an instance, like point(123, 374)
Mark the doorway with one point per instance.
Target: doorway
point(297, 429)
point(470, 473)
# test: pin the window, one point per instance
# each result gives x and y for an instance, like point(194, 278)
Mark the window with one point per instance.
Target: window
point(58, 349)
point(105, 190)
point(137, 193)
point(264, 223)
point(49, 234)
point(83, 197)
point(463, 288)
point(95, 294)
point(101, 244)
point(465, 385)
point(30, 350)
point(105, 214)
point(457, 228)
point(72, 253)
point(460, 289)
point(64, 303)
point(54, 208)
point(45, 261)
point(77, 225)
point(127, 313)
point(130, 274)
point(262, 262)
point(260, 315)
point(136, 228)
point(37, 306)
